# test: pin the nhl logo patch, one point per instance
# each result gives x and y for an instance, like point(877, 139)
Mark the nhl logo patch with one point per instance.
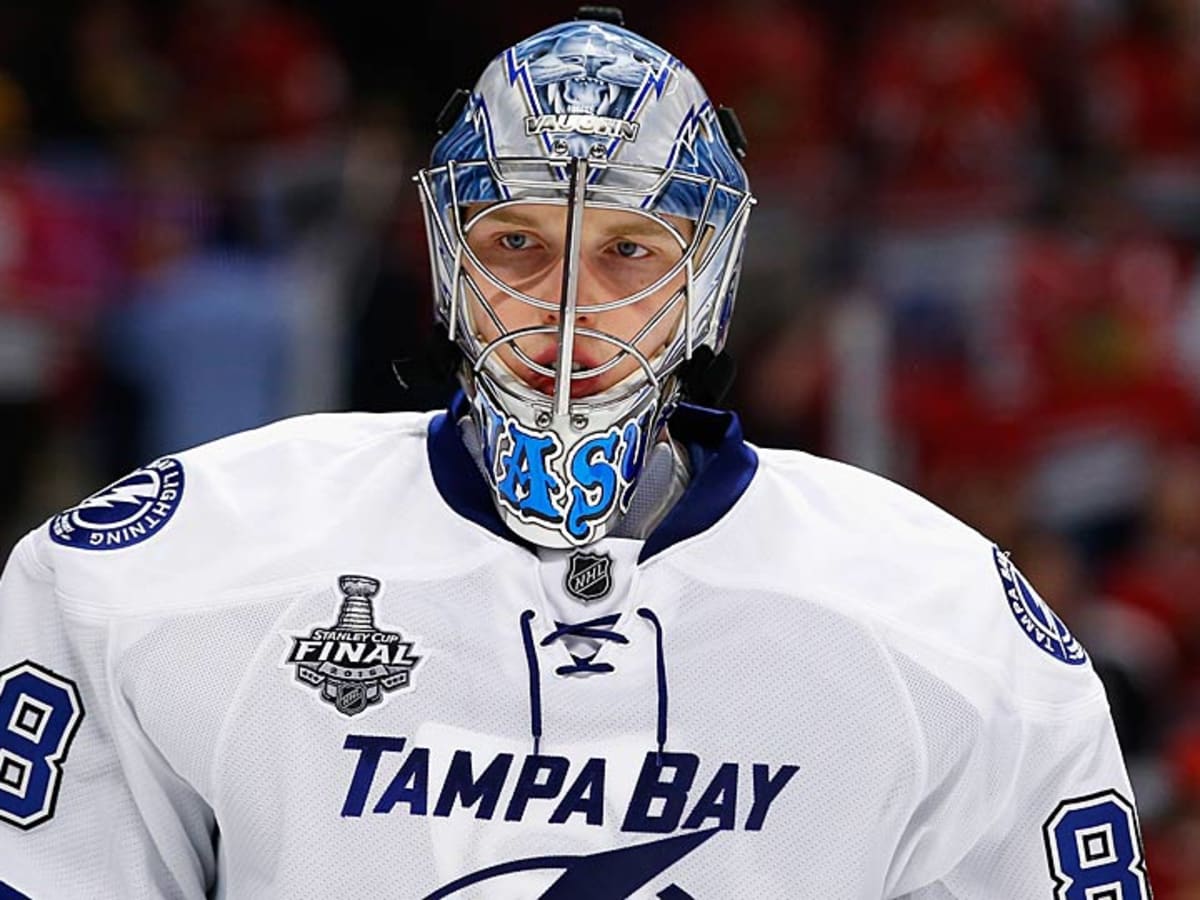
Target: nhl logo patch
point(352, 663)
point(589, 576)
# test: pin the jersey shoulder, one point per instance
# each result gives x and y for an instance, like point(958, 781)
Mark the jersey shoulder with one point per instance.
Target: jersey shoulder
point(919, 580)
point(850, 496)
point(824, 508)
point(256, 507)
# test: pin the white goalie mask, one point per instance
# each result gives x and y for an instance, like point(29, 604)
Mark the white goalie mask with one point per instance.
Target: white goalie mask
point(586, 216)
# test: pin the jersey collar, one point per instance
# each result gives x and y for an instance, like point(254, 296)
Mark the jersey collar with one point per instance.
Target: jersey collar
point(723, 465)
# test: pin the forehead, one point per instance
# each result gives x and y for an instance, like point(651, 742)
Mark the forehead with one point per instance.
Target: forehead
point(552, 217)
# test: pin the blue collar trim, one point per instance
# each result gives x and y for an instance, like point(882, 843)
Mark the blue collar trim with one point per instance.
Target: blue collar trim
point(457, 477)
point(723, 466)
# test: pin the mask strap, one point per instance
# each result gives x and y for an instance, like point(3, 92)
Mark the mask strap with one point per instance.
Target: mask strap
point(576, 194)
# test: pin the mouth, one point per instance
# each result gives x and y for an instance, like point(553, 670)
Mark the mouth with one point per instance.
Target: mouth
point(580, 387)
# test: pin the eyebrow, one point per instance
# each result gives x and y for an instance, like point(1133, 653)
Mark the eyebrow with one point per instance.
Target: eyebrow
point(636, 226)
point(510, 216)
point(639, 227)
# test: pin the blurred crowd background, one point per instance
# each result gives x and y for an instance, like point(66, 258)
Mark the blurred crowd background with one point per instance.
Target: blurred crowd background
point(973, 267)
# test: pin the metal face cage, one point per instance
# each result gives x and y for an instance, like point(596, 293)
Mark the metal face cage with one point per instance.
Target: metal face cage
point(694, 294)
point(707, 264)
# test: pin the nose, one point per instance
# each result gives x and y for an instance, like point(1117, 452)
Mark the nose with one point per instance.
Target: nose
point(551, 287)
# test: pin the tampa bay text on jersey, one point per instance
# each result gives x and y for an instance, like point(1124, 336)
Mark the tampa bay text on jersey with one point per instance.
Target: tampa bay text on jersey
point(393, 777)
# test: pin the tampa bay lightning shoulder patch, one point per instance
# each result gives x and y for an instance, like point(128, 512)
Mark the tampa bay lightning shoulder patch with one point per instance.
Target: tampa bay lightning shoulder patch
point(125, 513)
point(1035, 616)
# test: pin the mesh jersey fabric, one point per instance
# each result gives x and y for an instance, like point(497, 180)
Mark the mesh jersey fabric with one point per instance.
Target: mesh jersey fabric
point(851, 709)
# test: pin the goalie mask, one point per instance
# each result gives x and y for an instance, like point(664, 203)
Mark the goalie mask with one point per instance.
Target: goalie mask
point(586, 216)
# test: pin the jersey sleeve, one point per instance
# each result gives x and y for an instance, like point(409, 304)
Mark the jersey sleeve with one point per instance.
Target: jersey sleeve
point(1065, 827)
point(88, 807)
point(1025, 794)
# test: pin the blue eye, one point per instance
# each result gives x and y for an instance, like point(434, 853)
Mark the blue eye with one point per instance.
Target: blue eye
point(629, 249)
point(514, 241)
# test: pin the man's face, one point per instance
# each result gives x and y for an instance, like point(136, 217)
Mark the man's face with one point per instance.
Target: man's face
point(621, 253)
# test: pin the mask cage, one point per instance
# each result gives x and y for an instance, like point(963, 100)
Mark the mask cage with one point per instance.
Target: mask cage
point(709, 262)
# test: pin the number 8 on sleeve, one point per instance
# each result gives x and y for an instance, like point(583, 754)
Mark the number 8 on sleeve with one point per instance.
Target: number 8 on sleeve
point(1095, 851)
point(39, 715)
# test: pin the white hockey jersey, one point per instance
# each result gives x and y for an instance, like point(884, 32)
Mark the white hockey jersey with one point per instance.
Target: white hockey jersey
point(308, 662)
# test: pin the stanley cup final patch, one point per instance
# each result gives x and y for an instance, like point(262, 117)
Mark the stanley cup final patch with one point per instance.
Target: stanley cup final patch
point(351, 662)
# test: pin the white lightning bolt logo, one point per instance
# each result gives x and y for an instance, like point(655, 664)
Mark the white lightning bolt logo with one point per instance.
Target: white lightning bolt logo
point(126, 512)
point(694, 124)
point(135, 494)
